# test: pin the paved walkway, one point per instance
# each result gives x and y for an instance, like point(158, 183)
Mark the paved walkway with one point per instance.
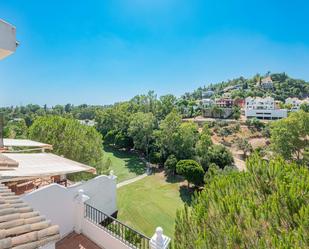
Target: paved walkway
point(131, 180)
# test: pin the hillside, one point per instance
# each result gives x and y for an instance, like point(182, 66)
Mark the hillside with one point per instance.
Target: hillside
point(283, 87)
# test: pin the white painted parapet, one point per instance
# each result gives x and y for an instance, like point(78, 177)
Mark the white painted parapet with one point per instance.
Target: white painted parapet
point(80, 200)
point(159, 240)
point(59, 203)
point(8, 42)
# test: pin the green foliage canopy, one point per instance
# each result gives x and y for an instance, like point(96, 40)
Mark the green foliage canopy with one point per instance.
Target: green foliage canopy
point(70, 139)
point(141, 130)
point(220, 155)
point(191, 170)
point(16, 129)
point(290, 136)
point(265, 207)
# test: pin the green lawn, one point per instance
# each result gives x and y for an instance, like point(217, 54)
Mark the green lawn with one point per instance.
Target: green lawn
point(151, 202)
point(126, 165)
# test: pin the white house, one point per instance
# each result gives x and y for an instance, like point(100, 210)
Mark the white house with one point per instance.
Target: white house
point(207, 94)
point(296, 103)
point(207, 102)
point(87, 122)
point(263, 108)
point(258, 103)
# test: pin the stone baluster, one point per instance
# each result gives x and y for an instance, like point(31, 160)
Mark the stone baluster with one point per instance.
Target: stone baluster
point(159, 240)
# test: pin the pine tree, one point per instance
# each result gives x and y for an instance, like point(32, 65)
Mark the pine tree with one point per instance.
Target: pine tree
point(265, 207)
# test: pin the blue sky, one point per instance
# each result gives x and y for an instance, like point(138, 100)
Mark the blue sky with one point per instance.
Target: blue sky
point(100, 51)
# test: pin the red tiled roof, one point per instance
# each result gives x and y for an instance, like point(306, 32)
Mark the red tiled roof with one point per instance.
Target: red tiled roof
point(21, 226)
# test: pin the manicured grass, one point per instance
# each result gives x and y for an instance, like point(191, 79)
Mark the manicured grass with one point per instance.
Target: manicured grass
point(151, 202)
point(126, 165)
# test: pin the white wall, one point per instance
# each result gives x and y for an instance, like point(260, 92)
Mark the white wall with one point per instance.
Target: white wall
point(102, 193)
point(101, 237)
point(7, 39)
point(58, 204)
point(266, 114)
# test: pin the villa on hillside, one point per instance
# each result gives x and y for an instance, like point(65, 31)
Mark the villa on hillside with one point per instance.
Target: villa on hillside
point(263, 108)
point(224, 102)
point(207, 103)
point(296, 103)
point(266, 83)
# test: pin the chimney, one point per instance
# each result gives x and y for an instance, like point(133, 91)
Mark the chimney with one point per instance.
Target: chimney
point(1, 131)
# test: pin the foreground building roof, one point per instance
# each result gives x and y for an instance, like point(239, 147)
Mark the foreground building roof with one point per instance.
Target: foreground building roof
point(8, 142)
point(20, 226)
point(7, 163)
point(41, 165)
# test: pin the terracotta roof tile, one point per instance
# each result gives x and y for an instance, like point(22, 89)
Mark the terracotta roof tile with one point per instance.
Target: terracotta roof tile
point(20, 226)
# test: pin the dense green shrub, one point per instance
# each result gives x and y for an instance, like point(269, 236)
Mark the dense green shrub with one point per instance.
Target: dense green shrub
point(170, 164)
point(155, 157)
point(220, 155)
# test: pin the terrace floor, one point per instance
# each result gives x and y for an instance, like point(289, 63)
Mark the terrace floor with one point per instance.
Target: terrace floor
point(76, 241)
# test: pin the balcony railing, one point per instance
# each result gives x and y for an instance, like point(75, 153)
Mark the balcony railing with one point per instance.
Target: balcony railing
point(124, 233)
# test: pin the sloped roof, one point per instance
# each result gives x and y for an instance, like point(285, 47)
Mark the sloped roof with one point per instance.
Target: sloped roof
point(8, 142)
point(42, 164)
point(20, 226)
point(267, 80)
